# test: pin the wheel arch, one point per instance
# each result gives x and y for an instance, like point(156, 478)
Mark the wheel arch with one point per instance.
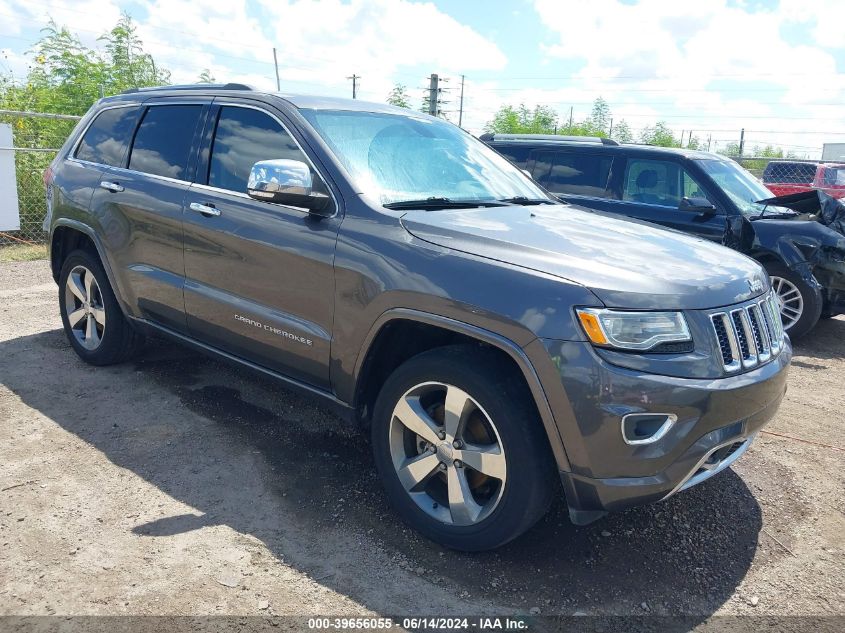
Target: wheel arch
point(415, 332)
point(69, 235)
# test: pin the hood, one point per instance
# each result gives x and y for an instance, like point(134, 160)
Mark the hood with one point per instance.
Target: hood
point(813, 205)
point(626, 264)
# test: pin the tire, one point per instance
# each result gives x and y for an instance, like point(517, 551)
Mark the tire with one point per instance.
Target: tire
point(801, 298)
point(99, 334)
point(498, 420)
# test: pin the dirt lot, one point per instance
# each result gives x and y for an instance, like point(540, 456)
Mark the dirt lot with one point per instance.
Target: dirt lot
point(179, 485)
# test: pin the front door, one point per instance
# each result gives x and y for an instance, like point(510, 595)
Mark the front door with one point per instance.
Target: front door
point(652, 189)
point(259, 275)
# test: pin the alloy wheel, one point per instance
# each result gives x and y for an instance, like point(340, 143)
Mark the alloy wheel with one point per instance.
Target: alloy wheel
point(447, 453)
point(790, 301)
point(86, 314)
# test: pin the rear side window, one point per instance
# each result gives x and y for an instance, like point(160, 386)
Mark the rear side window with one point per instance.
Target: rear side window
point(244, 137)
point(833, 177)
point(517, 155)
point(577, 174)
point(162, 144)
point(106, 139)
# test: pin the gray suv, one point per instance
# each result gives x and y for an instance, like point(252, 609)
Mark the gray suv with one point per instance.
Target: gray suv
point(397, 268)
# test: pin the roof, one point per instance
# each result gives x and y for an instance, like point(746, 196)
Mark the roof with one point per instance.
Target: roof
point(552, 141)
point(308, 102)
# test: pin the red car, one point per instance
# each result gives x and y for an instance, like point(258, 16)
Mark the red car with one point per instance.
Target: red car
point(830, 178)
point(783, 177)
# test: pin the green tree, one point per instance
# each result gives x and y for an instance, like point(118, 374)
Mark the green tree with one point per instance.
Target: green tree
point(622, 132)
point(127, 64)
point(659, 135)
point(399, 97)
point(599, 120)
point(523, 120)
point(66, 77)
point(206, 77)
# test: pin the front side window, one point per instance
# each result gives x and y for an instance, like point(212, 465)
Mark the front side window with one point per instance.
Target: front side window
point(162, 144)
point(577, 174)
point(402, 157)
point(106, 139)
point(741, 187)
point(244, 137)
point(659, 182)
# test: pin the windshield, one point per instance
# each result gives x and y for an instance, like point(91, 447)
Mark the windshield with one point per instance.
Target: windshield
point(395, 158)
point(739, 185)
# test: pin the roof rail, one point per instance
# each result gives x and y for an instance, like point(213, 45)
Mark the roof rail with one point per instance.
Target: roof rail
point(228, 86)
point(548, 137)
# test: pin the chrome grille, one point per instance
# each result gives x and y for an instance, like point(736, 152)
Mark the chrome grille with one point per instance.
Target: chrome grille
point(748, 335)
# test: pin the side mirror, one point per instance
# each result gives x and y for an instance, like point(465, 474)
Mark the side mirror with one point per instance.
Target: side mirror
point(697, 205)
point(286, 182)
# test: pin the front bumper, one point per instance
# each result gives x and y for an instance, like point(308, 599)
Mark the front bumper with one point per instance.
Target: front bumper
point(717, 420)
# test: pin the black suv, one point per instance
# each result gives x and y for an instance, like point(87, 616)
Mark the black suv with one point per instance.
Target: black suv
point(493, 341)
point(700, 193)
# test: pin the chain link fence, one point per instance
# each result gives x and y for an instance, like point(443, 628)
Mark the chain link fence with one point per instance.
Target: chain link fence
point(36, 137)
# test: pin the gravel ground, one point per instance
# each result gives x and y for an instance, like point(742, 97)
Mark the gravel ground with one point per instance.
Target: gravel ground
point(179, 485)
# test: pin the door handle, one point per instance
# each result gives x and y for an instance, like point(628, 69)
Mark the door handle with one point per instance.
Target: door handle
point(111, 186)
point(208, 210)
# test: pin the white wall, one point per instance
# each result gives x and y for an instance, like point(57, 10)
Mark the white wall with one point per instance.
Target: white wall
point(10, 218)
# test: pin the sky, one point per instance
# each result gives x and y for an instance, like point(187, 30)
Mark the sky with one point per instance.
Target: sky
point(773, 67)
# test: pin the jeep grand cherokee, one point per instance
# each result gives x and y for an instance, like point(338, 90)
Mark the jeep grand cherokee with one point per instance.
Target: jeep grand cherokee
point(399, 269)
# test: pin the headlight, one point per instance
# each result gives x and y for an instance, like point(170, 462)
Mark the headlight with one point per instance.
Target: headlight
point(638, 331)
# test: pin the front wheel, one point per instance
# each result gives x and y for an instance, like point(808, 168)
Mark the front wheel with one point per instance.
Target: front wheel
point(461, 450)
point(800, 303)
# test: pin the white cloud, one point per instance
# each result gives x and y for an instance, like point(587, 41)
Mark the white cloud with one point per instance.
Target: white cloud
point(727, 65)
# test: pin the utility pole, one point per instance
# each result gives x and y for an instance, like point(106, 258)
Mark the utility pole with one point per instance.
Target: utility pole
point(354, 79)
point(461, 108)
point(741, 141)
point(276, 64)
point(433, 94)
point(682, 138)
point(709, 140)
point(610, 129)
point(569, 129)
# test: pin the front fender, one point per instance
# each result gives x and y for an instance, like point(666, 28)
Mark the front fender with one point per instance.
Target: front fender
point(518, 354)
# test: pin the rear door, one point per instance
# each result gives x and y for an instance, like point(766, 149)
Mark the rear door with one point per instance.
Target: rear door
point(259, 275)
point(103, 143)
point(651, 189)
point(140, 207)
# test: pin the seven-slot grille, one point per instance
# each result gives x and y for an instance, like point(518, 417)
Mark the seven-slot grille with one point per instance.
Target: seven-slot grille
point(749, 335)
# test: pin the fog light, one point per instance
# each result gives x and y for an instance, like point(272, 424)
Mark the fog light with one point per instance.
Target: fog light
point(646, 428)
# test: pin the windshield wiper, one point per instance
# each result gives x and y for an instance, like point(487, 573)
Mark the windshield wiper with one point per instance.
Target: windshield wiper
point(527, 201)
point(437, 202)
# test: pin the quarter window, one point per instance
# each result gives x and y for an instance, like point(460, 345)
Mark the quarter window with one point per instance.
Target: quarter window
point(244, 137)
point(163, 142)
point(658, 182)
point(576, 174)
point(106, 139)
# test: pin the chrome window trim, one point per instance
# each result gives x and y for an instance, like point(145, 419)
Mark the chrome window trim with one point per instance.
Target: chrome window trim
point(247, 106)
point(71, 155)
point(237, 194)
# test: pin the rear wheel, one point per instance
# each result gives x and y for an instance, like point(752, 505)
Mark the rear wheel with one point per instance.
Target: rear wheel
point(800, 303)
point(461, 450)
point(92, 319)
